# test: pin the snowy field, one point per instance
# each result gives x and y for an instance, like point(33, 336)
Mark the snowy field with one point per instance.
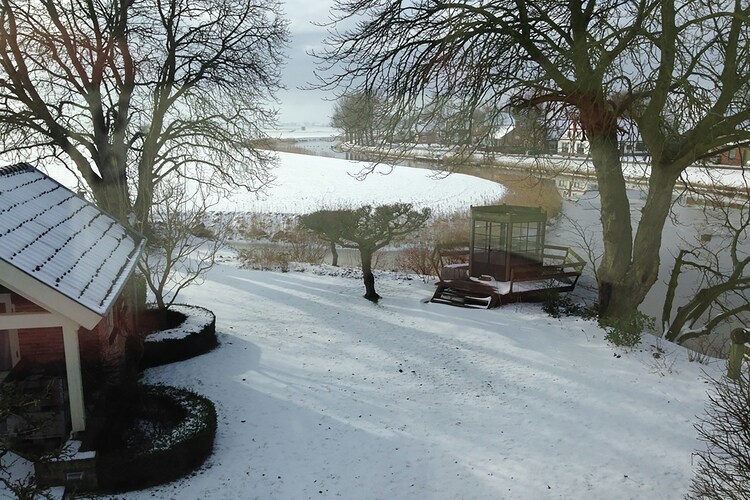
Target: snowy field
point(306, 183)
point(322, 394)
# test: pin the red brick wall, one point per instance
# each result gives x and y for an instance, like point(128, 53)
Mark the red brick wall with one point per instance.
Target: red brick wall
point(735, 156)
point(23, 304)
point(45, 345)
point(41, 346)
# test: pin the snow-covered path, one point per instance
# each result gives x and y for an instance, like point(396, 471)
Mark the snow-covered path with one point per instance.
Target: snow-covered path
point(322, 394)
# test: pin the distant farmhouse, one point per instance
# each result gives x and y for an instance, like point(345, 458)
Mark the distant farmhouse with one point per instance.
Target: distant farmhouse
point(571, 140)
point(736, 156)
point(64, 266)
point(568, 139)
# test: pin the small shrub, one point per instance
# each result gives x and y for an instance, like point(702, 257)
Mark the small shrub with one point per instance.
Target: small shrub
point(703, 349)
point(200, 230)
point(419, 259)
point(724, 465)
point(699, 356)
point(265, 258)
point(303, 246)
point(627, 330)
point(558, 306)
point(254, 229)
point(454, 226)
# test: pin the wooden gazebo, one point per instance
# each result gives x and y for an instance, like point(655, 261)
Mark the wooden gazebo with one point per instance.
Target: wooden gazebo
point(507, 260)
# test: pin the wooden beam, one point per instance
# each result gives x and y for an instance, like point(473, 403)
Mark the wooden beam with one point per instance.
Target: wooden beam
point(20, 321)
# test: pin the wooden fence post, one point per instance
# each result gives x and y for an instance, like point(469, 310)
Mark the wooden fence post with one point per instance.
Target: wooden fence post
point(737, 351)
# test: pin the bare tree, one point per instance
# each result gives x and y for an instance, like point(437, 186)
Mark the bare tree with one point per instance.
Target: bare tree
point(674, 75)
point(126, 93)
point(723, 470)
point(367, 229)
point(722, 264)
point(359, 116)
point(181, 248)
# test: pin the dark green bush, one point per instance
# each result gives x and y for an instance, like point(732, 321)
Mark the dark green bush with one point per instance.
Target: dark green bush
point(558, 306)
point(195, 343)
point(167, 433)
point(627, 330)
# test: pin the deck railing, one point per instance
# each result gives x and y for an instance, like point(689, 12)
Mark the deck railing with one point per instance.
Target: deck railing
point(561, 267)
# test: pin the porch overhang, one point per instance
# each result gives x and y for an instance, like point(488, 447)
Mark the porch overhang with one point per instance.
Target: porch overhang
point(48, 298)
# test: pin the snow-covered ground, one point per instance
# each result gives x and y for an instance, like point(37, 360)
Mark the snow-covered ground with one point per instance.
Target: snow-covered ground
point(635, 169)
point(307, 183)
point(322, 394)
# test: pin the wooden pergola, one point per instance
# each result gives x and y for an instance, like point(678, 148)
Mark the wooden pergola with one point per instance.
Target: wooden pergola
point(508, 260)
point(504, 237)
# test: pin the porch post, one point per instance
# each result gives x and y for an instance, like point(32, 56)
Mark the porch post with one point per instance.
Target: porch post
point(73, 371)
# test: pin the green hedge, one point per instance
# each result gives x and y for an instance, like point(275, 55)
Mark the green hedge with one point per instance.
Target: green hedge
point(152, 459)
point(194, 343)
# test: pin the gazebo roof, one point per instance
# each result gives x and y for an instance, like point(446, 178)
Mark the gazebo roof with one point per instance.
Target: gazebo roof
point(508, 213)
point(62, 242)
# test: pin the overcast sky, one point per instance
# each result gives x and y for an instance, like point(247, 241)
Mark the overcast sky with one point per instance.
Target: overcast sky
point(301, 106)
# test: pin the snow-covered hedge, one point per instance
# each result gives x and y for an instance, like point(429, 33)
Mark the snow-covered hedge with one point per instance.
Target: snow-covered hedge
point(175, 431)
point(196, 335)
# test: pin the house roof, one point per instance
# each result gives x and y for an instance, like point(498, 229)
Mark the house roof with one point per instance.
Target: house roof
point(62, 241)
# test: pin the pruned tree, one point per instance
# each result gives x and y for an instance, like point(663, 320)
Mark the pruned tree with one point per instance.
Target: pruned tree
point(127, 93)
point(367, 229)
point(181, 248)
point(329, 226)
point(675, 75)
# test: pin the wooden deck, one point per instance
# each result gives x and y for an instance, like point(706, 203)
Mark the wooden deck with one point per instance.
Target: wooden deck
point(558, 273)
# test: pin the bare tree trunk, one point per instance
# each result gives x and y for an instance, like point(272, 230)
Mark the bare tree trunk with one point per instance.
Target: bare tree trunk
point(367, 276)
point(615, 218)
point(629, 266)
point(111, 194)
point(335, 255)
point(648, 237)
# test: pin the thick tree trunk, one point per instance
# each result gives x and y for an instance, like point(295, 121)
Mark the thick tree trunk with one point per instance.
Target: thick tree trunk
point(617, 230)
point(334, 255)
point(648, 238)
point(111, 194)
point(367, 276)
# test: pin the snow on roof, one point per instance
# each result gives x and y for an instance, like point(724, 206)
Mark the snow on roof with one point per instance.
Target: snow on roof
point(62, 240)
point(501, 131)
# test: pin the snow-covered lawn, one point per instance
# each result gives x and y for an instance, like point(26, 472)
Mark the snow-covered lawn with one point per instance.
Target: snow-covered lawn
point(322, 394)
